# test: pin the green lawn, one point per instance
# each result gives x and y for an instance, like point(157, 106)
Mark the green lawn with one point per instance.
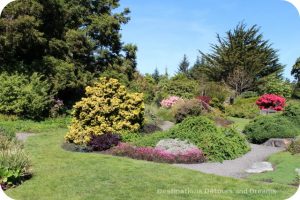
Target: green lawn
point(285, 165)
point(59, 174)
point(239, 123)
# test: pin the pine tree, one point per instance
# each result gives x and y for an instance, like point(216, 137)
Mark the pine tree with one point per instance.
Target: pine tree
point(184, 66)
point(156, 75)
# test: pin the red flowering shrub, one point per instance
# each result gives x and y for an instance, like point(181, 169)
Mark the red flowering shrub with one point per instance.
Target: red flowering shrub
point(271, 101)
point(205, 101)
point(193, 155)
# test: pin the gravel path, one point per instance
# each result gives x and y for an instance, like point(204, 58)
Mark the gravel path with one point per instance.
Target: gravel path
point(235, 168)
point(23, 136)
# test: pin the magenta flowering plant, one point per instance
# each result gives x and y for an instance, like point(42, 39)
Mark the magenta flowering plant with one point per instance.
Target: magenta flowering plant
point(169, 102)
point(271, 101)
point(192, 155)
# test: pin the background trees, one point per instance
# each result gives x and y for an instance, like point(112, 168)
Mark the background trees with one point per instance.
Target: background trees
point(70, 42)
point(241, 58)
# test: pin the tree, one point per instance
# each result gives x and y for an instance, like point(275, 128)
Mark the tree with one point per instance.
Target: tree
point(184, 66)
point(239, 80)
point(156, 75)
point(70, 42)
point(242, 50)
point(197, 72)
point(296, 70)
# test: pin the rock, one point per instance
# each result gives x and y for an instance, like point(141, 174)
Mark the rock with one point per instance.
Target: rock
point(278, 142)
point(260, 167)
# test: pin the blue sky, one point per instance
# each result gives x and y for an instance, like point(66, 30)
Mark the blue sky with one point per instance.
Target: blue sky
point(165, 30)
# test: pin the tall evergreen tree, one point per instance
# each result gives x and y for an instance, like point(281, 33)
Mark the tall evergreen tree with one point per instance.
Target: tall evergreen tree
point(70, 42)
point(156, 75)
point(243, 50)
point(296, 70)
point(184, 66)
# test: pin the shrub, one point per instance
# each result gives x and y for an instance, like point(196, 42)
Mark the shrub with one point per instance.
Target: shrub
point(7, 132)
point(174, 146)
point(23, 96)
point(264, 128)
point(249, 94)
point(108, 108)
point(243, 108)
point(169, 102)
point(217, 144)
point(14, 164)
point(192, 155)
point(186, 108)
point(294, 148)
point(205, 101)
point(104, 142)
point(271, 101)
point(274, 85)
point(292, 113)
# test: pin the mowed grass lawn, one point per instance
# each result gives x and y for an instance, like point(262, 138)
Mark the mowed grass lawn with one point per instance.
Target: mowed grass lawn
point(59, 174)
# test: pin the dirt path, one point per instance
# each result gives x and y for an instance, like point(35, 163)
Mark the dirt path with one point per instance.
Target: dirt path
point(235, 168)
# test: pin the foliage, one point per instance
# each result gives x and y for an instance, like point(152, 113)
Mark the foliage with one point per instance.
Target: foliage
point(6, 132)
point(150, 128)
point(217, 144)
point(187, 108)
point(205, 101)
point(104, 141)
point(183, 67)
point(296, 70)
point(292, 113)
point(216, 90)
point(14, 163)
point(57, 108)
point(294, 148)
point(249, 94)
point(243, 108)
point(174, 146)
point(69, 42)
point(180, 85)
point(271, 101)
point(275, 85)
point(107, 108)
point(261, 129)
point(170, 101)
point(192, 155)
point(24, 96)
point(242, 50)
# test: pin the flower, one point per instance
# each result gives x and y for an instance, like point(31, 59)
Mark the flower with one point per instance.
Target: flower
point(169, 102)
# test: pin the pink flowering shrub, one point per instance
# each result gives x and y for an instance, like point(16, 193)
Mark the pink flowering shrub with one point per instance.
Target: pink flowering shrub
point(169, 102)
point(193, 155)
point(271, 101)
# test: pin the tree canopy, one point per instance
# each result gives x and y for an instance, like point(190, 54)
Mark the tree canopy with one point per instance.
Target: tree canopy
point(243, 51)
point(70, 42)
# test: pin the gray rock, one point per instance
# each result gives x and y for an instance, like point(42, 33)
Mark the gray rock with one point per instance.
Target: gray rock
point(278, 142)
point(260, 167)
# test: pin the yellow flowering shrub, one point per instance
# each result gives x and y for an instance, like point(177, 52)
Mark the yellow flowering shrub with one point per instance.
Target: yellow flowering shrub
point(107, 108)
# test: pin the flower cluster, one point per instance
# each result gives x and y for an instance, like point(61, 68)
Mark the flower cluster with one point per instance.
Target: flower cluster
point(271, 101)
point(193, 155)
point(169, 102)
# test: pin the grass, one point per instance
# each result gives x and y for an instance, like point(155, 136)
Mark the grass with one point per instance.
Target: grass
point(59, 174)
point(285, 165)
point(19, 125)
point(239, 123)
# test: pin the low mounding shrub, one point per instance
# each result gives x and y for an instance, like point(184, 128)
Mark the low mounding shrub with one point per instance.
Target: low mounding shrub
point(292, 113)
point(14, 164)
point(192, 155)
point(217, 144)
point(271, 101)
point(243, 108)
point(7, 132)
point(76, 147)
point(107, 108)
point(23, 96)
point(294, 148)
point(175, 146)
point(169, 102)
point(104, 142)
point(186, 108)
point(266, 127)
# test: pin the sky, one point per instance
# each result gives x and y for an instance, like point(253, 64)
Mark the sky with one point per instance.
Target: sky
point(165, 30)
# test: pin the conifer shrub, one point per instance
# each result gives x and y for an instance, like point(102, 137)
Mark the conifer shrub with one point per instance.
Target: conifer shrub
point(107, 108)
